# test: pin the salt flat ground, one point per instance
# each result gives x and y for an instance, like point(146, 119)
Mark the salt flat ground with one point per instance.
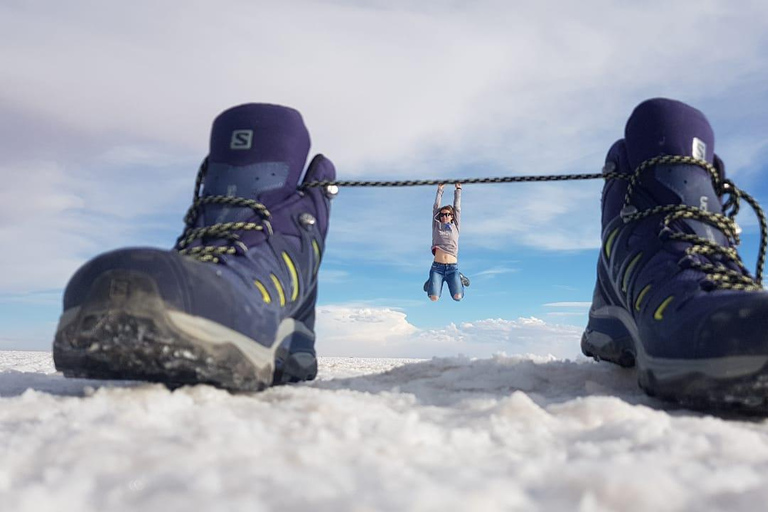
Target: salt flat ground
point(507, 433)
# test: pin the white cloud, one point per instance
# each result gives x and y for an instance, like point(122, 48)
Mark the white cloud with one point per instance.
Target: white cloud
point(396, 89)
point(495, 271)
point(36, 208)
point(136, 155)
point(395, 304)
point(552, 216)
point(42, 298)
point(497, 79)
point(57, 219)
point(384, 332)
point(579, 309)
point(333, 276)
point(567, 304)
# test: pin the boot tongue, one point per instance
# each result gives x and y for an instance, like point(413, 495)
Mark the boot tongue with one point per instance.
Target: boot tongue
point(667, 127)
point(258, 152)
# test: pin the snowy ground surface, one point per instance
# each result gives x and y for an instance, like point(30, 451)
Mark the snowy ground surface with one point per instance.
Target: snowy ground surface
point(508, 433)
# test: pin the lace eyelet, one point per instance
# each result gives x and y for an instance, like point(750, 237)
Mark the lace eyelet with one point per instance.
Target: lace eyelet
point(665, 233)
point(627, 212)
point(686, 262)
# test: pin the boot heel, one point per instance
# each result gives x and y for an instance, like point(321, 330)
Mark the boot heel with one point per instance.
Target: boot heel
point(607, 339)
point(295, 358)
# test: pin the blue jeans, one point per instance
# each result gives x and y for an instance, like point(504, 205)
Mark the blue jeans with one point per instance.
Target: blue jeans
point(448, 272)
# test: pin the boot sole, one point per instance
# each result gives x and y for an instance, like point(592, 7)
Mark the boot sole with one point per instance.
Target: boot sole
point(736, 383)
point(125, 331)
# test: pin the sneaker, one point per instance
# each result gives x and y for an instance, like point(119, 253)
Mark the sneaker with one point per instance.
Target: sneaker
point(426, 285)
point(233, 305)
point(672, 296)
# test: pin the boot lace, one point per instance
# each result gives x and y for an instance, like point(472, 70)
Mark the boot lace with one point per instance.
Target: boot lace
point(719, 276)
point(211, 236)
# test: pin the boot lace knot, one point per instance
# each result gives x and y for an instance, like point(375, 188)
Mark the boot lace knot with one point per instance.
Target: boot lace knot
point(220, 238)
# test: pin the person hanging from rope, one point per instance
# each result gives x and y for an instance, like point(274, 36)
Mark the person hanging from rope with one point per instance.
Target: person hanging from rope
point(445, 248)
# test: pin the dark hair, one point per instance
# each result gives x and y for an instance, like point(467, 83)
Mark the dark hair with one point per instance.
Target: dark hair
point(450, 209)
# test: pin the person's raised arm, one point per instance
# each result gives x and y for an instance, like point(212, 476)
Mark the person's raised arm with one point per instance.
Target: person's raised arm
point(457, 204)
point(438, 198)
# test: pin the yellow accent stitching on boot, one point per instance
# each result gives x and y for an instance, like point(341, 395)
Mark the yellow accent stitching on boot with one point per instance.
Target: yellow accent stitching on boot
point(609, 242)
point(280, 292)
point(294, 276)
point(659, 314)
point(628, 271)
point(641, 296)
point(316, 247)
point(264, 292)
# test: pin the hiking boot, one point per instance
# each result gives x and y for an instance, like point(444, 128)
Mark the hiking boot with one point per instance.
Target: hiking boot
point(672, 295)
point(233, 305)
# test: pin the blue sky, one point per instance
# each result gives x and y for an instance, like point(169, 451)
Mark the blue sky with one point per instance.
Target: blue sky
point(105, 112)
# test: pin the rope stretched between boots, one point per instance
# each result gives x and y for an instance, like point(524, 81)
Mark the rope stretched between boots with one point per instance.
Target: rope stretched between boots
point(420, 183)
point(732, 204)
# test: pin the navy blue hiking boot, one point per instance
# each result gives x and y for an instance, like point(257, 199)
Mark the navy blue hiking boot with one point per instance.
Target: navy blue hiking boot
point(233, 305)
point(672, 295)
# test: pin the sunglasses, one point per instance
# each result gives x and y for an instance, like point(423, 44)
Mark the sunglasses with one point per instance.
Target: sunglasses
point(446, 214)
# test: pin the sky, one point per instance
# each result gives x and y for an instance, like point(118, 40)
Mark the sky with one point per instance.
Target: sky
point(514, 433)
point(106, 108)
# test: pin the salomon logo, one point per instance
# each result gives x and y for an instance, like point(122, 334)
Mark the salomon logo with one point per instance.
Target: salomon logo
point(699, 149)
point(241, 139)
point(703, 204)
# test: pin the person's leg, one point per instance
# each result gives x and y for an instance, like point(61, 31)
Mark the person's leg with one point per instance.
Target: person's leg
point(435, 282)
point(453, 277)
